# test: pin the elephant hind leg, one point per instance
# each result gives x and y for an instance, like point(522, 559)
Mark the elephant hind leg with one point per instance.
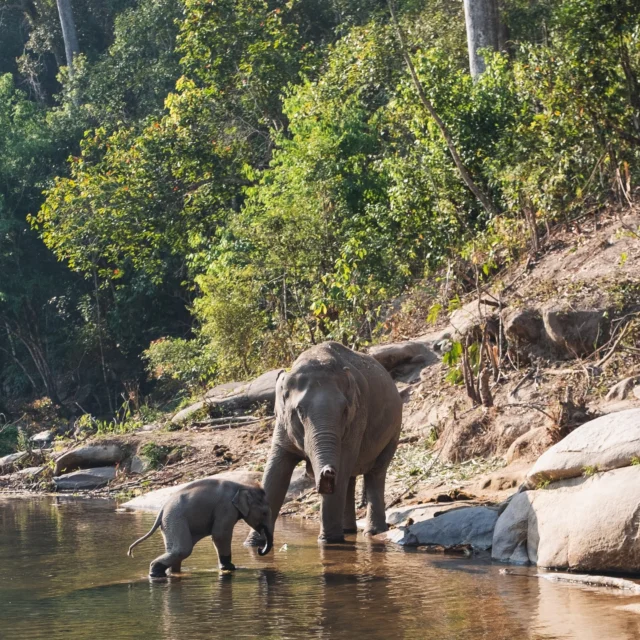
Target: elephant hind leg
point(375, 485)
point(178, 545)
point(349, 520)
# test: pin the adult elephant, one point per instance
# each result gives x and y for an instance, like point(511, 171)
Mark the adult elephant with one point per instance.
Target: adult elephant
point(341, 412)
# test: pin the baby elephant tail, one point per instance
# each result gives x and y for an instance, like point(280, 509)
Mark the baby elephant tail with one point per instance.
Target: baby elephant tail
point(156, 524)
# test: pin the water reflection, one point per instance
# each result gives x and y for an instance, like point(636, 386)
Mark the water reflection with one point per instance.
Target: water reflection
point(66, 575)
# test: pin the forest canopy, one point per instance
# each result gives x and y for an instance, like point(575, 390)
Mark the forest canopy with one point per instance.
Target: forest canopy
point(212, 185)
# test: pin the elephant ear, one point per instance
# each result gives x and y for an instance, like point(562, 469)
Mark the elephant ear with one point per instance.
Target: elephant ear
point(242, 502)
point(353, 392)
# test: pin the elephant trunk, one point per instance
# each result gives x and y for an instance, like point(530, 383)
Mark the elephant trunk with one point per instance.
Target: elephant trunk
point(324, 452)
point(268, 545)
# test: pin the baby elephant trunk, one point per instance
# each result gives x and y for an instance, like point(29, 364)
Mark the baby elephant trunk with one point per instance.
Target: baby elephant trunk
point(268, 545)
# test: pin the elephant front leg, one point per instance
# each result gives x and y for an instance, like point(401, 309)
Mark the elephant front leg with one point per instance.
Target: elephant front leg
point(349, 520)
point(275, 481)
point(221, 534)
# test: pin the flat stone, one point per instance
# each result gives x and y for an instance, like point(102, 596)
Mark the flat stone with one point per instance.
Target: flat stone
point(85, 479)
point(91, 456)
point(43, 438)
point(608, 442)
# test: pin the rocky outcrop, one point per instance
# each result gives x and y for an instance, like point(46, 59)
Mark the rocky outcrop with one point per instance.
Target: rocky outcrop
point(43, 438)
point(404, 360)
point(523, 328)
point(584, 524)
point(608, 442)
point(85, 479)
point(236, 397)
point(89, 457)
point(574, 333)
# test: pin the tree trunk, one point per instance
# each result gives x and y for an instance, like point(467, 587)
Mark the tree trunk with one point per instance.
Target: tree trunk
point(483, 31)
point(69, 34)
point(426, 103)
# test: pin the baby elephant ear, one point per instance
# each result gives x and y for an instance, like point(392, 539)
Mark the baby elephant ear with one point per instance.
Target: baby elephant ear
point(241, 502)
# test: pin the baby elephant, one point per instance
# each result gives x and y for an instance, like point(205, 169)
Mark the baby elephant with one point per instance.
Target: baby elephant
point(209, 507)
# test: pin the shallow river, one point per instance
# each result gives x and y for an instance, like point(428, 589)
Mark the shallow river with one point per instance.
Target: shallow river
point(64, 573)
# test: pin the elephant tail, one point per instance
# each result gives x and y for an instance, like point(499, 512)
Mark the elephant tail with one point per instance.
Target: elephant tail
point(156, 524)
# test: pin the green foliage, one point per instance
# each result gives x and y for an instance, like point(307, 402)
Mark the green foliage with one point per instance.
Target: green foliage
point(260, 176)
point(189, 362)
point(590, 470)
point(155, 454)
point(8, 439)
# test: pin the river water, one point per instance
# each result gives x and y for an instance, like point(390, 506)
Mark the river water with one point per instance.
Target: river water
point(64, 574)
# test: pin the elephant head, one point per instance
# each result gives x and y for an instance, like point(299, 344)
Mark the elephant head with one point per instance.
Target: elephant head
point(316, 408)
point(253, 507)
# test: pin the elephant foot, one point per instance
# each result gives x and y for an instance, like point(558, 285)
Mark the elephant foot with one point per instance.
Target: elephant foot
point(351, 530)
point(329, 539)
point(226, 564)
point(372, 531)
point(255, 539)
point(158, 570)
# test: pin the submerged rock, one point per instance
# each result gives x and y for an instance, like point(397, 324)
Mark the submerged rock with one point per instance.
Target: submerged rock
point(584, 524)
point(608, 442)
point(85, 479)
point(465, 526)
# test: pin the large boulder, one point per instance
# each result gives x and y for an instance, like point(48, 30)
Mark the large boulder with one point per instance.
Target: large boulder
point(466, 526)
point(583, 524)
point(8, 461)
point(572, 332)
point(523, 327)
point(404, 360)
point(235, 397)
point(97, 455)
point(608, 442)
point(85, 479)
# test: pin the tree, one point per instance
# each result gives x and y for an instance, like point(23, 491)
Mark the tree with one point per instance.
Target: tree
point(483, 27)
point(71, 46)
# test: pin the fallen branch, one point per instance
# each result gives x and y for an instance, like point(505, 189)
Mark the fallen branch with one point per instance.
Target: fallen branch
point(526, 405)
point(614, 347)
point(519, 385)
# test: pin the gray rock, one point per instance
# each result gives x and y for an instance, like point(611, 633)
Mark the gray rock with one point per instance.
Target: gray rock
point(258, 391)
point(137, 465)
point(11, 459)
point(300, 483)
point(85, 479)
point(622, 389)
point(582, 524)
point(404, 359)
point(184, 414)
point(608, 442)
point(464, 526)
point(523, 326)
point(226, 389)
point(43, 438)
point(263, 388)
point(575, 333)
point(89, 457)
